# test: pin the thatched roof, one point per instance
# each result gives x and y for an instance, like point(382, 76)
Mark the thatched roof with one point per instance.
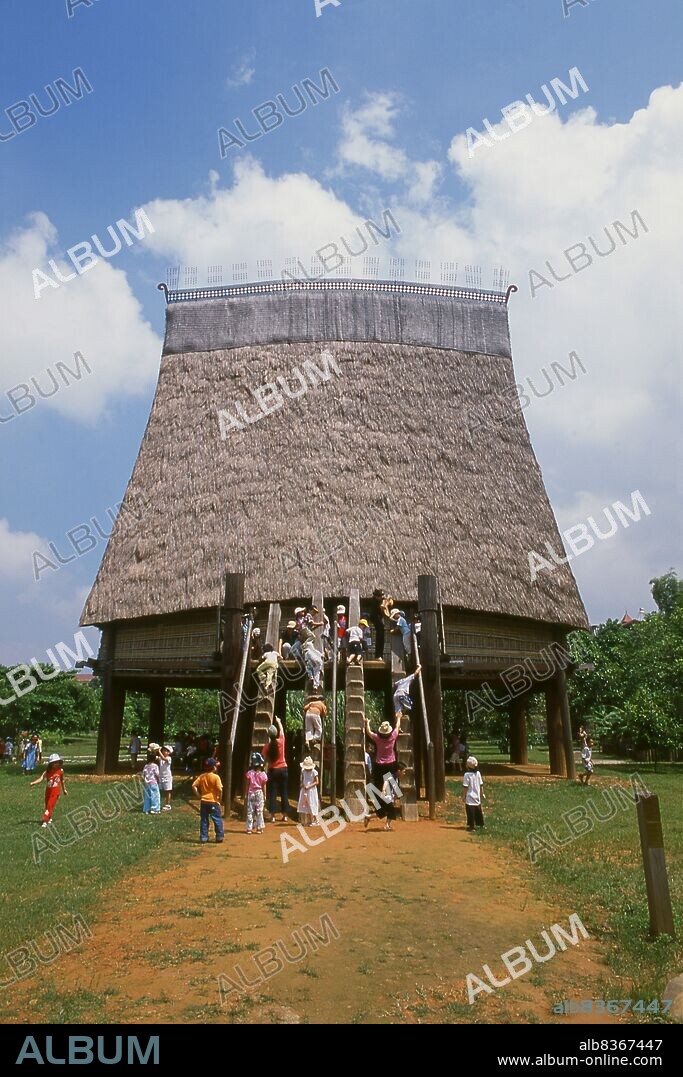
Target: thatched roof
point(377, 475)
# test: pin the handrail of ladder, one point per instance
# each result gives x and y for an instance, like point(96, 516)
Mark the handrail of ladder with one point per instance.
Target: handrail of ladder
point(240, 680)
point(431, 770)
point(333, 754)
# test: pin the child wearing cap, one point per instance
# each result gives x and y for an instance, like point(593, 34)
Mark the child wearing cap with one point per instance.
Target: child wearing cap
point(209, 788)
point(257, 780)
point(151, 798)
point(473, 791)
point(55, 784)
point(308, 806)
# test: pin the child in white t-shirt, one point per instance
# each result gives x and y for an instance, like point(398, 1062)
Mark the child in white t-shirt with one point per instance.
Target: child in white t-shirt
point(587, 758)
point(473, 791)
point(165, 775)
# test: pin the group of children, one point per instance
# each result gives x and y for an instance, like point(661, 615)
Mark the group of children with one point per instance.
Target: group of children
point(157, 778)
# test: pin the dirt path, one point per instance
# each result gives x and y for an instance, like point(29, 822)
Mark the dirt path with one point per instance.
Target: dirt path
point(409, 914)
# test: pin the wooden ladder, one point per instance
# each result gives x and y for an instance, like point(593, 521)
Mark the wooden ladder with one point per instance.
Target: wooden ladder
point(405, 753)
point(355, 777)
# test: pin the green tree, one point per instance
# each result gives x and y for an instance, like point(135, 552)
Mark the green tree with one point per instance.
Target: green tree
point(667, 591)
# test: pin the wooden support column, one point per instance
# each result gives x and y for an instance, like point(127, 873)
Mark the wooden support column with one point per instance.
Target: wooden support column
point(567, 738)
point(157, 713)
point(114, 721)
point(231, 655)
point(519, 748)
point(105, 657)
point(430, 656)
point(553, 713)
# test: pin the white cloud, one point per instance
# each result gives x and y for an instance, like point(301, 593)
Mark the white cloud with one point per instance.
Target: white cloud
point(95, 314)
point(366, 143)
point(242, 73)
point(292, 215)
point(16, 549)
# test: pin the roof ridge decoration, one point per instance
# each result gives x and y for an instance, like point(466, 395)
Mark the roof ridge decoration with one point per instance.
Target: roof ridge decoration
point(272, 287)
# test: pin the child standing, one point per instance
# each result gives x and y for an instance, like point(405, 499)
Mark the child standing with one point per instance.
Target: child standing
point(308, 806)
point(257, 780)
point(30, 755)
point(209, 788)
point(473, 791)
point(587, 757)
point(151, 801)
point(165, 775)
point(54, 777)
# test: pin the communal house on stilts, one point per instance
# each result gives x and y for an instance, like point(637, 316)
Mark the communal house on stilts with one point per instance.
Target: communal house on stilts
point(391, 467)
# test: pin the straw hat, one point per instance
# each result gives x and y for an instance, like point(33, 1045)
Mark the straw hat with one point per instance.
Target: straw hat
point(291, 624)
point(395, 614)
point(308, 764)
point(472, 762)
point(385, 729)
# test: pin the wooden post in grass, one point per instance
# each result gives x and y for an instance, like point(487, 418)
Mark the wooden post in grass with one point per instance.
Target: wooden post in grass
point(233, 608)
point(654, 863)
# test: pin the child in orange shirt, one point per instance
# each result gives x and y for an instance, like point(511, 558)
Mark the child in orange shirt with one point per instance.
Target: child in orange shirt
point(209, 788)
point(54, 776)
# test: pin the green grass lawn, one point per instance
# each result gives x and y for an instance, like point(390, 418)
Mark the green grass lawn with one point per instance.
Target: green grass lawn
point(77, 878)
point(599, 875)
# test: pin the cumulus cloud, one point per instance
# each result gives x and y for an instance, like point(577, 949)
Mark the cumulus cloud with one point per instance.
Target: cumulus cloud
point(16, 550)
point(95, 314)
point(258, 217)
point(366, 142)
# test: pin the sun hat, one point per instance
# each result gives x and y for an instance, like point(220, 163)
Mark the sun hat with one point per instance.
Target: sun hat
point(308, 764)
point(210, 762)
point(256, 631)
point(395, 613)
point(385, 729)
point(153, 746)
point(291, 624)
point(341, 609)
point(257, 759)
point(272, 731)
point(55, 758)
point(300, 609)
point(472, 762)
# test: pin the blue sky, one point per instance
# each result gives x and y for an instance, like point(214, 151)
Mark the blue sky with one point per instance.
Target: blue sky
point(412, 77)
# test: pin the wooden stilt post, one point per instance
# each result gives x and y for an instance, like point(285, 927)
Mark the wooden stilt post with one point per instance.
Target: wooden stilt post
point(116, 703)
point(567, 738)
point(553, 711)
point(519, 748)
point(157, 713)
point(656, 879)
point(105, 657)
point(233, 608)
point(430, 655)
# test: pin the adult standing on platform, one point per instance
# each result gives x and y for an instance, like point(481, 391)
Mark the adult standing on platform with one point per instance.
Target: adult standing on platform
point(385, 762)
point(274, 755)
point(377, 608)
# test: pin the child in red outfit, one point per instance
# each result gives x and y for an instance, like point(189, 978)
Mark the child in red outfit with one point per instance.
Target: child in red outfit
point(54, 776)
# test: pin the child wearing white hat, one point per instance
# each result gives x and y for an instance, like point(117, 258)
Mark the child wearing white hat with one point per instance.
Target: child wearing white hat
point(55, 784)
point(309, 805)
point(473, 791)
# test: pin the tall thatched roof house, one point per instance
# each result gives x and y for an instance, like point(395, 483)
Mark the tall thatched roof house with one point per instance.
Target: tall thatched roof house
point(322, 436)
